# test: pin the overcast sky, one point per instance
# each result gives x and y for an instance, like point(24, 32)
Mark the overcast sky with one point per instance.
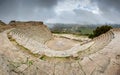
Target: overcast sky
point(61, 11)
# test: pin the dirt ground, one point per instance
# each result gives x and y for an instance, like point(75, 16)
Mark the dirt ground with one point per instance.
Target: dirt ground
point(61, 43)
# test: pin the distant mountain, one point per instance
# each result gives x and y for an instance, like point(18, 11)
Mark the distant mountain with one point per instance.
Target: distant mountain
point(51, 25)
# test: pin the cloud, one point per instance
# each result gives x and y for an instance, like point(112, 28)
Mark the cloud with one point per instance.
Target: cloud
point(88, 11)
point(62, 11)
point(40, 3)
point(27, 9)
point(78, 16)
point(78, 11)
point(110, 9)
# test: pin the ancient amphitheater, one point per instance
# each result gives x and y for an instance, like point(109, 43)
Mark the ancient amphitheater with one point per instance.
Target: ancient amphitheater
point(29, 48)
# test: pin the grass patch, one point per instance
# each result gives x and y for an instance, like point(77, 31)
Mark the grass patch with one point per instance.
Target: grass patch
point(86, 30)
point(30, 62)
point(43, 57)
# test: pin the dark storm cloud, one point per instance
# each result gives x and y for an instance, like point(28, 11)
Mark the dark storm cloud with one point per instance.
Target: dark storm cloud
point(40, 3)
point(37, 9)
point(109, 4)
point(87, 17)
point(6, 6)
point(8, 9)
point(61, 11)
point(46, 3)
point(96, 11)
point(110, 9)
point(80, 17)
point(27, 9)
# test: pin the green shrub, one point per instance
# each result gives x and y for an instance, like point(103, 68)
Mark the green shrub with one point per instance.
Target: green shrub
point(100, 30)
point(91, 36)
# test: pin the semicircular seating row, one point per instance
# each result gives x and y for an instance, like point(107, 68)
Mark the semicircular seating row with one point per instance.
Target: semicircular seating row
point(37, 47)
point(101, 41)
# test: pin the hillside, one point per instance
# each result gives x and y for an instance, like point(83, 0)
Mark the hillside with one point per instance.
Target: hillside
point(29, 48)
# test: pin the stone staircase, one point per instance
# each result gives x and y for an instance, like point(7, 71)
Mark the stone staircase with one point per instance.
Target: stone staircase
point(104, 60)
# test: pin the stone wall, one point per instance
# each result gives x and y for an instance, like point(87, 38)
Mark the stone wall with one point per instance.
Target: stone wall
point(21, 23)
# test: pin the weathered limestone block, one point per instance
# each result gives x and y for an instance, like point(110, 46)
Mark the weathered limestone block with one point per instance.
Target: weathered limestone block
point(31, 37)
point(101, 56)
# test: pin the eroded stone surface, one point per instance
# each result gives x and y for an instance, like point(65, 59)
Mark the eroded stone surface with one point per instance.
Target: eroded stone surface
point(100, 57)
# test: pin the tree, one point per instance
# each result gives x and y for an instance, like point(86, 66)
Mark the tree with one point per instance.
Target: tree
point(100, 30)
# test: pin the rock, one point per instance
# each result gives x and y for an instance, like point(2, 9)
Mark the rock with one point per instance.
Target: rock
point(22, 68)
point(2, 23)
point(21, 41)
